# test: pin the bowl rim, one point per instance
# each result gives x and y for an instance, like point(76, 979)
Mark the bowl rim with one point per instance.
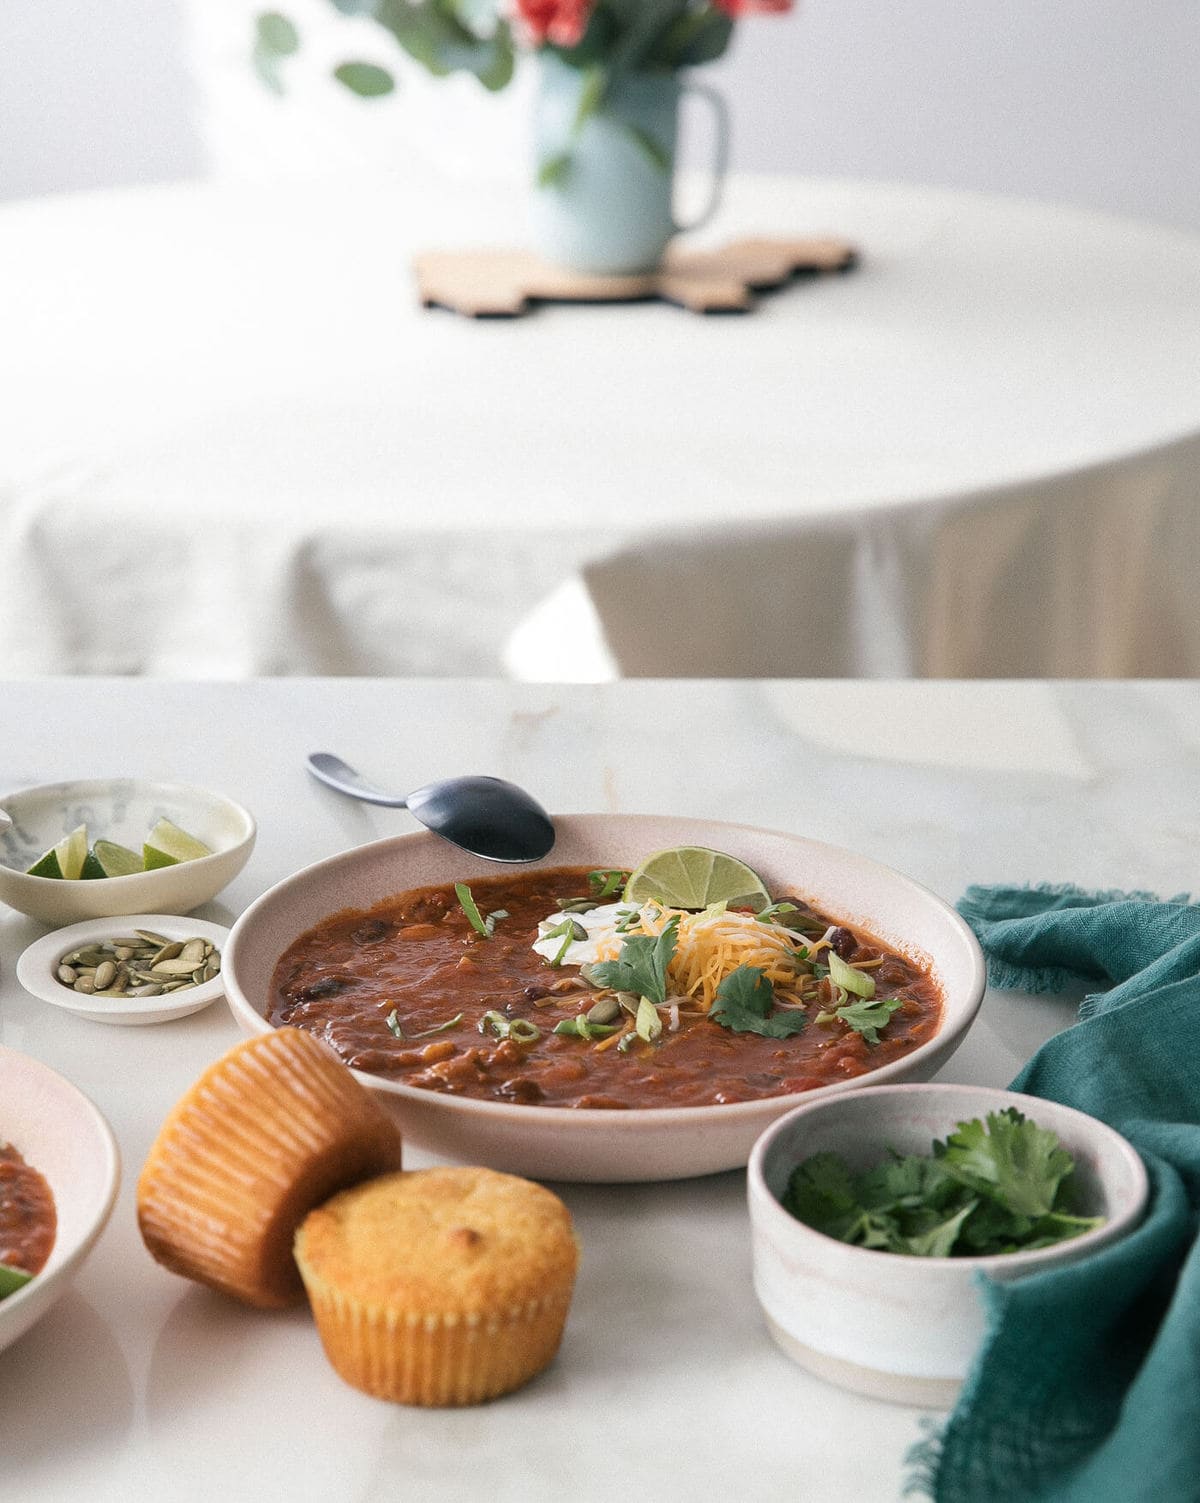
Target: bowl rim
point(108, 1182)
point(247, 820)
point(632, 1118)
point(764, 1205)
point(34, 966)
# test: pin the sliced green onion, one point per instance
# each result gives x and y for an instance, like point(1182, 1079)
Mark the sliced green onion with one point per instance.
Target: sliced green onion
point(627, 1043)
point(569, 930)
point(522, 1031)
point(605, 883)
point(438, 1027)
point(845, 975)
point(580, 1028)
point(393, 1023)
point(469, 907)
point(497, 1022)
point(775, 911)
point(649, 1024)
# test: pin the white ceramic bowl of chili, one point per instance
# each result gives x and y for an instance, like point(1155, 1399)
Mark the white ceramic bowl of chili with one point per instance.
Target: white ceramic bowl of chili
point(61, 1134)
point(886, 1324)
point(585, 1144)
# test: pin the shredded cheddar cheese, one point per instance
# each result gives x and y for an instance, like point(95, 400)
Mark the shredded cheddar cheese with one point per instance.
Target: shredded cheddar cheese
point(711, 945)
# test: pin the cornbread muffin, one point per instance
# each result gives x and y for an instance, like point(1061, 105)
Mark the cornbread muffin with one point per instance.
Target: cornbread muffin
point(269, 1131)
point(440, 1286)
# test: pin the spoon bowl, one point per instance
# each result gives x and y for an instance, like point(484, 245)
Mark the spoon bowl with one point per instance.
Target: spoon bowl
point(486, 816)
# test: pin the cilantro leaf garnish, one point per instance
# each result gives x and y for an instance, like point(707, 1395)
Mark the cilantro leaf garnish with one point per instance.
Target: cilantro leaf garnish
point(995, 1187)
point(641, 967)
point(1017, 1163)
point(868, 1018)
point(743, 1004)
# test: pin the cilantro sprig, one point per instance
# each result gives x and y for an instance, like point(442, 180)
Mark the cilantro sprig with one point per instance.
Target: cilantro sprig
point(641, 967)
point(744, 1003)
point(867, 1018)
point(998, 1186)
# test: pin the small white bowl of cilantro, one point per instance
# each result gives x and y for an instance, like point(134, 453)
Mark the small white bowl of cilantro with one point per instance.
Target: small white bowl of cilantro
point(873, 1211)
point(102, 847)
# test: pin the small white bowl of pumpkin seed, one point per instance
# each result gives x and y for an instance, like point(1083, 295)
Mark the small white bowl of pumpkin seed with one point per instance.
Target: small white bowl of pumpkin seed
point(141, 968)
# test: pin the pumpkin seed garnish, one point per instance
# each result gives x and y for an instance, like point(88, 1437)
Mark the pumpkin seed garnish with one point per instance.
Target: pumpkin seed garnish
point(141, 965)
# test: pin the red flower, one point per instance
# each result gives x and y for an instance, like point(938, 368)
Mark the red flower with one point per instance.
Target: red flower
point(736, 8)
point(559, 22)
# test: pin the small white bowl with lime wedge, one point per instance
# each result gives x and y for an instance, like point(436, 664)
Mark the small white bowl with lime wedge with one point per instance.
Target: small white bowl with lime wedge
point(201, 840)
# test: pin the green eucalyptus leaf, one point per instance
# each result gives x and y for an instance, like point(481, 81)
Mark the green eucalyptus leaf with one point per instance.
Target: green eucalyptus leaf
point(276, 34)
point(554, 170)
point(654, 151)
point(694, 38)
point(365, 79)
point(266, 65)
point(591, 95)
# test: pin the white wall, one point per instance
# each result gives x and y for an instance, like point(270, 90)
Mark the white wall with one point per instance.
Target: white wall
point(1090, 101)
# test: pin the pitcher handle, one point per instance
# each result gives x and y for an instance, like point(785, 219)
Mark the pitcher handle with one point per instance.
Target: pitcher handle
point(720, 155)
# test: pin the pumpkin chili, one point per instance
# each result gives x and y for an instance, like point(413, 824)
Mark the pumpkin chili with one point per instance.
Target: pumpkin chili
point(420, 990)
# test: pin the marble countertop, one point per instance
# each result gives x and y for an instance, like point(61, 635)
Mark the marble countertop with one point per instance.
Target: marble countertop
point(138, 1384)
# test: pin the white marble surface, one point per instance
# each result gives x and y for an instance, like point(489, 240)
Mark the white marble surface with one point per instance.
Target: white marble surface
point(667, 1386)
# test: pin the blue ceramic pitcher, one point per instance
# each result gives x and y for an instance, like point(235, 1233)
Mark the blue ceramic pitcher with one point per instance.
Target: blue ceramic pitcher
point(603, 202)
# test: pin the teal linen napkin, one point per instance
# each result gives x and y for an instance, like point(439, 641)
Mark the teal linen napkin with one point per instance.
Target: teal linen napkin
point(1087, 1387)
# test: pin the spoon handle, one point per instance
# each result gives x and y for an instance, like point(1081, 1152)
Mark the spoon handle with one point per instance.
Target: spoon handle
point(335, 773)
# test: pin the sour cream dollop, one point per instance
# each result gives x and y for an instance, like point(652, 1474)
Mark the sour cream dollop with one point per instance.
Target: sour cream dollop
point(601, 925)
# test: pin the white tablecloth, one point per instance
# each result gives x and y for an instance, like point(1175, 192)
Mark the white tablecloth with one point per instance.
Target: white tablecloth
point(231, 443)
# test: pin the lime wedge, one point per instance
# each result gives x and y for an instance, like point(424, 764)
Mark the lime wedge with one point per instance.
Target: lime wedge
point(108, 859)
point(12, 1279)
point(167, 843)
point(65, 859)
point(691, 876)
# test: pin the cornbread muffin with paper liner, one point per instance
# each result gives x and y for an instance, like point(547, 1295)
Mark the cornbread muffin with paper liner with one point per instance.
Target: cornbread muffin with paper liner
point(439, 1286)
point(271, 1129)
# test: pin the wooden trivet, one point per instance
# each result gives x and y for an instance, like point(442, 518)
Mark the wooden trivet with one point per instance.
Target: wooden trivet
point(504, 283)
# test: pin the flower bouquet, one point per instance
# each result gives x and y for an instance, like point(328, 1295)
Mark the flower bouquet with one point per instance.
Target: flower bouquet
point(607, 113)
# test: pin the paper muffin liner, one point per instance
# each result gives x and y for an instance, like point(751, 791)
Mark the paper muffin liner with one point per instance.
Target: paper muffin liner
point(440, 1359)
point(273, 1128)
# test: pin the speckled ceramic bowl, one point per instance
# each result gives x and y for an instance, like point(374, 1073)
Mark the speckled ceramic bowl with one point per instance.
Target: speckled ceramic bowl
point(608, 1146)
point(124, 810)
point(884, 1324)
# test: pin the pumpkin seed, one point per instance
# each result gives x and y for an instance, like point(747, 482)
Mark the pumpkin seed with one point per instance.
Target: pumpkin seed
point(604, 1010)
point(66, 975)
point(105, 975)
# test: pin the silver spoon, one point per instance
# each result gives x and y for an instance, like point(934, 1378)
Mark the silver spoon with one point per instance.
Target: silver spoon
point(486, 816)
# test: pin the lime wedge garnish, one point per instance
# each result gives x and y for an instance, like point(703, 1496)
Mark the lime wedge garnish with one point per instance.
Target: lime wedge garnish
point(691, 876)
point(12, 1279)
point(108, 859)
point(65, 859)
point(167, 843)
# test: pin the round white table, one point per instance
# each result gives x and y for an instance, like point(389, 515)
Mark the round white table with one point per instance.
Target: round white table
point(234, 444)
